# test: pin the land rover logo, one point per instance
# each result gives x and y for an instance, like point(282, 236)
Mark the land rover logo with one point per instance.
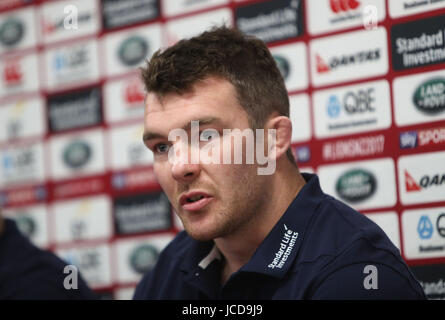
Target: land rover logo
point(133, 50)
point(26, 225)
point(283, 65)
point(356, 185)
point(143, 258)
point(429, 97)
point(77, 154)
point(11, 32)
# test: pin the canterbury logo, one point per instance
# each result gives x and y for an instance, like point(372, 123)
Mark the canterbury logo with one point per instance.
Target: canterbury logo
point(343, 5)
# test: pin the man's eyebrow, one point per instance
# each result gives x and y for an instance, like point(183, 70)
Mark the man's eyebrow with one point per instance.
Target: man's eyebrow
point(202, 121)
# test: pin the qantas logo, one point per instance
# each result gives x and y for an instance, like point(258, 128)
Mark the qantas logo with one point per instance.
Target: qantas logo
point(345, 60)
point(410, 183)
point(49, 27)
point(343, 5)
point(322, 67)
point(425, 182)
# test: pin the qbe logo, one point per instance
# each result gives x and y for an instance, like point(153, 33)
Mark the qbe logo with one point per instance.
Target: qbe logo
point(72, 64)
point(22, 164)
point(424, 232)
point(352, 109)
point(425, 227)
point(334, 60)
point(422, 178)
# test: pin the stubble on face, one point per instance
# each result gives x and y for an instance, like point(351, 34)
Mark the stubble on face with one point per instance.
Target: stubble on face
point(237, 189)
point(237, 208)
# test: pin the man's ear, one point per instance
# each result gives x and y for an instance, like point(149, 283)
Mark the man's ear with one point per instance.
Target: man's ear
point(283, 133)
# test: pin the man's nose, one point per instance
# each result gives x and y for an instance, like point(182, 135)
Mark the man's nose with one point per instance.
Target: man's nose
point(185, 167)
point(184, 171)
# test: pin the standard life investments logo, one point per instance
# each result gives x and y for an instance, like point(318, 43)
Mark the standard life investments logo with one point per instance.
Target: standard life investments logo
point(286, 246)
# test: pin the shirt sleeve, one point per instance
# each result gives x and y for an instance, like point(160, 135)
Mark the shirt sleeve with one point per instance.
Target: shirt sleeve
point(363, 281)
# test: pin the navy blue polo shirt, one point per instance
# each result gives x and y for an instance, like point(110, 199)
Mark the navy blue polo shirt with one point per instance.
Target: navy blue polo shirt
point(30, 273)
point(319, 249)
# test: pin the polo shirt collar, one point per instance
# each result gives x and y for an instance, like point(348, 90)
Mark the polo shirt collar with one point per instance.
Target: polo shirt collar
point(276, 253)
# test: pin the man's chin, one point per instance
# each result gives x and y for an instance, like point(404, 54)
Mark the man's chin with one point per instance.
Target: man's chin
point(200, 236)
point(202, 232)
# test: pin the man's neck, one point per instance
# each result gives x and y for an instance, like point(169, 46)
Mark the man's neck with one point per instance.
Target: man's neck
point(239, 247)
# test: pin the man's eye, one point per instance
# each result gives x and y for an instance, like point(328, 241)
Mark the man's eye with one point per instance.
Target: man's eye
point(161, 148)
point(209, 134)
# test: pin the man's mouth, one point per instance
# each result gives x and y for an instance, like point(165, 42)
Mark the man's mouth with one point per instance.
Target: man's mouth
point(195, 200)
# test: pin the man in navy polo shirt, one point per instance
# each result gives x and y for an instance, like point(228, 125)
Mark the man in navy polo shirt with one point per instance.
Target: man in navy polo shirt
point(252, 230)
point(30, 273)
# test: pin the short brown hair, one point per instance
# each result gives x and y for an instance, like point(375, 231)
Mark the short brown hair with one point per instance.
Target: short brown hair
point(243, 60)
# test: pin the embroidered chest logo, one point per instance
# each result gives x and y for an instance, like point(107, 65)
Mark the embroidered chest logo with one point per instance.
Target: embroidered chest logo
point(286, 246)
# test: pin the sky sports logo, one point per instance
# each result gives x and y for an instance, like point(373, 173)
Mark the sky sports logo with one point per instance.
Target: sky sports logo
point(422, 138)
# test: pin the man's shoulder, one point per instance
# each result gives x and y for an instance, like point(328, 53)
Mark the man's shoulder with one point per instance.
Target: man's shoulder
point(342, 244)
point(30, 272)
point(335, 227)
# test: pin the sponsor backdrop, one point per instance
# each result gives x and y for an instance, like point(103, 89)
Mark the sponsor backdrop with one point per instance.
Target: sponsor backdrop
point(366, 80)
